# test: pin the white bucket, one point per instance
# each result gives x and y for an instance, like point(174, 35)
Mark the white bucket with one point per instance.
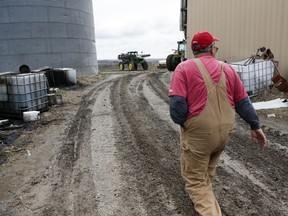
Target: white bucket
point(58, 99)
point(31, 116)
point(51, 99)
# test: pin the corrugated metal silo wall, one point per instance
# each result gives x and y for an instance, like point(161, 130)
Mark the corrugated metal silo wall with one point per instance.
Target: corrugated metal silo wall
point(58, 33)
point(243, 26)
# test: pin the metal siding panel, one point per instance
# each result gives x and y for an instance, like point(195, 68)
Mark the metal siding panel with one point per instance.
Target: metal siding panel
point(243, 26)
point(4, 47)
point(283, 31)
point(225, 31)
point(27, 46)
point(4, 15)
point(39, 30)
point(11, 31)
point(27, 14)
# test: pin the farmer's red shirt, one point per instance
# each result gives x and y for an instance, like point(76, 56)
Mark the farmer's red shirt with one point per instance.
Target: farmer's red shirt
point(187, 82)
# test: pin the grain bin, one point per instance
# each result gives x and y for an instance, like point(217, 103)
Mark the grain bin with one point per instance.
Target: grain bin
point(58, 33)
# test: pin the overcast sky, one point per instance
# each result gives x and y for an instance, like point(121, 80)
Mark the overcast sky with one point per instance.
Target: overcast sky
point(150, 26)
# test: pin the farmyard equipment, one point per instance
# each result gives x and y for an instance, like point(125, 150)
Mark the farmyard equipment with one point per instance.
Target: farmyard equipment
point(132, 59)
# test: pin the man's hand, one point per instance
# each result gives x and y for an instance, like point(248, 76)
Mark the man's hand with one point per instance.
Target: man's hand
point(259, 137)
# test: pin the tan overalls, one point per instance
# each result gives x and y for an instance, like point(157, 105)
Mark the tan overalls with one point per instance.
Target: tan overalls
point(202, 142)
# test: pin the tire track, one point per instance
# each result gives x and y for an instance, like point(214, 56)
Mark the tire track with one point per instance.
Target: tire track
point(74, 191)
point(149, 152)
point(158, 86)
point(258, 177)
point(136, 133)
point(262, 177)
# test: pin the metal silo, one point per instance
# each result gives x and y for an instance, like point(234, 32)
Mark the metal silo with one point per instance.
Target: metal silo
point(55, 33)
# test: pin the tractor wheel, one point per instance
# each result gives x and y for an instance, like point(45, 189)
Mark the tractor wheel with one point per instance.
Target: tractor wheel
point(135, 66)
point(121, 66)
point(131, 66)
point(172, 62)
point(145, 65)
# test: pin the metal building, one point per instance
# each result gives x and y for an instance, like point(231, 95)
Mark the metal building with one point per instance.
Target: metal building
point(38, 33)
point(242, 25)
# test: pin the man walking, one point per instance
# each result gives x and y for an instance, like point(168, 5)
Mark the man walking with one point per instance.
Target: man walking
point(204, 95)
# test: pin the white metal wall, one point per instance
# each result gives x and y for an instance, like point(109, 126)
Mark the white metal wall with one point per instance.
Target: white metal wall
point(243, 26)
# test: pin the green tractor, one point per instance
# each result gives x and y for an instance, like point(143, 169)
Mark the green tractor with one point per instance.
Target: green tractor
point(132, 59)
point(178, 56)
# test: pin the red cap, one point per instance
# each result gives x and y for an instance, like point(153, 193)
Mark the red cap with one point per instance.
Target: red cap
point(202, 40)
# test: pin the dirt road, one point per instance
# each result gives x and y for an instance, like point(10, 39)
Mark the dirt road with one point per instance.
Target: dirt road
point(111, 149)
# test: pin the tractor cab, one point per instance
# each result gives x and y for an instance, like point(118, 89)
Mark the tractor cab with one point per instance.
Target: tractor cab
point(178, 56)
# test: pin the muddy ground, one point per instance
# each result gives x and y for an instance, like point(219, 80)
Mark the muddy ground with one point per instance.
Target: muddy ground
point(111, 149)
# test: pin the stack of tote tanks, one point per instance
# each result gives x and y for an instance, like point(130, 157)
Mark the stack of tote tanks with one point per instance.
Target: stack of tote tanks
point(23, 92)
point(58, 34)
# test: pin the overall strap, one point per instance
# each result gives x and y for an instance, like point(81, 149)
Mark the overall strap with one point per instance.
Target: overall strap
point(206, 76)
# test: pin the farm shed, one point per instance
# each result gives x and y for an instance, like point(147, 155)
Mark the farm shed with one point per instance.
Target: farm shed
point(242, 26)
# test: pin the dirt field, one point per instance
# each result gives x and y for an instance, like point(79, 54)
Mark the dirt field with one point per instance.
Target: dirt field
point(111, 149)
